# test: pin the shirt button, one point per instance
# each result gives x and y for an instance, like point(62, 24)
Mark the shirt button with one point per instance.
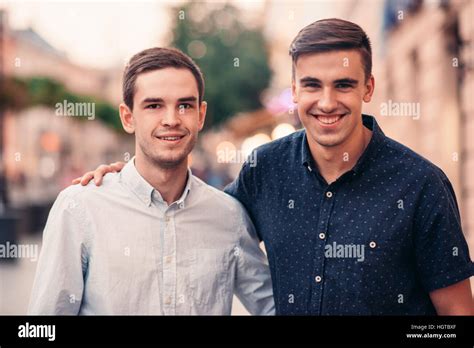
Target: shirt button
point(167, 218)
point(168, 300)
point(181, 205)
point(318, 279)
point(168, 259)
point(322, 236)
point(372, 244)
point(329, 194)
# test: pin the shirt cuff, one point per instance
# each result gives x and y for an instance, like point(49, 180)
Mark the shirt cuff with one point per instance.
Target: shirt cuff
point(450, 277)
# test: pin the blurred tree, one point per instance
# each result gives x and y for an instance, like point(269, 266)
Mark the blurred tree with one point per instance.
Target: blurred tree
point(13, 94)
point(232, 57)
point(20, 93)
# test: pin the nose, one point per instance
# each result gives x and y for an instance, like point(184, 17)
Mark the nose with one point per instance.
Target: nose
point(171, 118)
point(327, 103)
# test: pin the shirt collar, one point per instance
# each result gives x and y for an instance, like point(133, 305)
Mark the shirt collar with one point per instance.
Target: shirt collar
point(144, 191)
point(376, 140)
point(378, 137)
point(181, 200)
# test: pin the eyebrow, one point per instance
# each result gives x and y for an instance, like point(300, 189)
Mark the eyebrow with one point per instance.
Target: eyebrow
point(309, 79)
point(347, 80)
point(160, 100)
point(188, 99)
point(152, 100)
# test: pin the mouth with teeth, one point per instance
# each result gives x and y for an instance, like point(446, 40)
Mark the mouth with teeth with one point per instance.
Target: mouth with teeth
point(327, 121)
point(170, 139)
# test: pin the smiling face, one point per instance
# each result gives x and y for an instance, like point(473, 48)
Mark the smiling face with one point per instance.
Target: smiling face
point(166, 116)
point(329, 88)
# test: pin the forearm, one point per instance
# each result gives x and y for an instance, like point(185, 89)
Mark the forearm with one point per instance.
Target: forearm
point(454, 300)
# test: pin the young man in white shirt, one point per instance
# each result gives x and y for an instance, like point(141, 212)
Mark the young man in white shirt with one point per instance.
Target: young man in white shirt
point(154, 239)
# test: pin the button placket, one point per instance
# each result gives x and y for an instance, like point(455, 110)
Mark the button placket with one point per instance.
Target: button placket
point(169, 263)
point(319, 267)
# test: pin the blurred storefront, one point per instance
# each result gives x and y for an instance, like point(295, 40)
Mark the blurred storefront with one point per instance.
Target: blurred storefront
point(43, 152)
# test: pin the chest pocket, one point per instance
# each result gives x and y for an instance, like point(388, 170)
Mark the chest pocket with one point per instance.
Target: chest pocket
point(209, 275)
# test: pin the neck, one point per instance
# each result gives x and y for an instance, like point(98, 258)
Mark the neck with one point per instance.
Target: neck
point(169, 182)
point(333, 161)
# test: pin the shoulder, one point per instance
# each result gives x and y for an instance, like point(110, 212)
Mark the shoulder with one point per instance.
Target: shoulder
point(217, 198)
point(428, 174)
point(75, 195)
point(269, 158)
point(287, 144)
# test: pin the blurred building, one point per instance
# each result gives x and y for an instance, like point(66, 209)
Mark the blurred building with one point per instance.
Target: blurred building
point(27, 54)
point(428, 59)
point(42, 151)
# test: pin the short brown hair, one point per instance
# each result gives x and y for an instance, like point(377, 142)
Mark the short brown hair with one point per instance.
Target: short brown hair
point(332, 35)
point(154, 59)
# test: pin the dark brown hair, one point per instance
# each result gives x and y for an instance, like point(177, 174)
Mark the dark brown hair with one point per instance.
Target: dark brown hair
point(332, 35)
point(154, 59)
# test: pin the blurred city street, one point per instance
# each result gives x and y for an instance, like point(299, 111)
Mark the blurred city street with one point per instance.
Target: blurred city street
point(18, 281)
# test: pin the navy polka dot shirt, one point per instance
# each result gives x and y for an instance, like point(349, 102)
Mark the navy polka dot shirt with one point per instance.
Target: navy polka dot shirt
point(374, 242)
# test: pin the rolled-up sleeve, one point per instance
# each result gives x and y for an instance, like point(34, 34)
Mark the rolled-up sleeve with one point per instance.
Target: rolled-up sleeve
point(59, 281)
point(442, 254)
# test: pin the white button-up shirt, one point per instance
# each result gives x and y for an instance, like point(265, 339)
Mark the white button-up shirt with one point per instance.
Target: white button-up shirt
point(121, 249)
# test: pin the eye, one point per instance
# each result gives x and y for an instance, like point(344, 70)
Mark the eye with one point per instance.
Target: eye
point(343, 85)
point(185, 106)
point(153, 106)
point(311, 85)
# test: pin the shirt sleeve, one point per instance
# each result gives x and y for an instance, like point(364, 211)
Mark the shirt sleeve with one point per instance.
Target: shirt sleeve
point(59, 280)
point(253, 285)
point(442, 254)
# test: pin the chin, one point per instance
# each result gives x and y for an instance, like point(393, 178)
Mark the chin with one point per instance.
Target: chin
point(169, 162)
point(327, 141)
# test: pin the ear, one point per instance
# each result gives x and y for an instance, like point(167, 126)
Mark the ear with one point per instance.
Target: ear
point(293, 90)
point(370, 87)
point(202, 114)
point(126, 117)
